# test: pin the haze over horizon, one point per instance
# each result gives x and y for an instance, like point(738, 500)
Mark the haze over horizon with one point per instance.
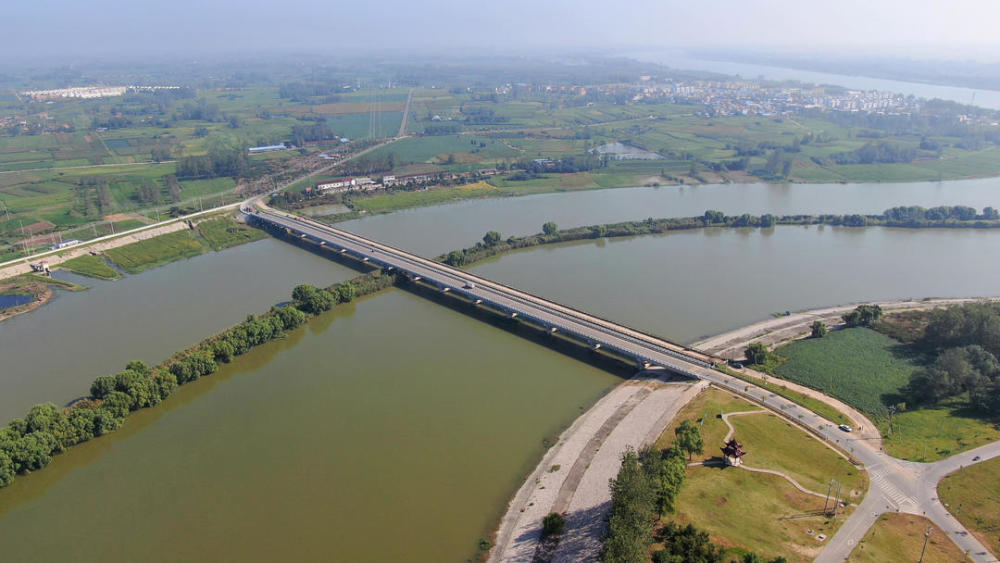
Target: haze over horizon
point(112, 29)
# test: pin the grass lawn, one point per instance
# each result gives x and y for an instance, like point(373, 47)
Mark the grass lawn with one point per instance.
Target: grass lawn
point(142, 255)
point(900, 537)
point(225, 232)
point(707, 404)
point(930, 434)
point(93, 266)
point(977, 490)
point(859, 366)
point(757, 512)
point(779, 445)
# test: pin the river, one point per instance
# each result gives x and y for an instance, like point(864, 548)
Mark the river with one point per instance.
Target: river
point(434, 230)
point(395, 428)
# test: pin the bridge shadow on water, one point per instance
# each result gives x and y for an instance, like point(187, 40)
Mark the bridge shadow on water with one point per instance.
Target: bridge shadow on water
point(613, 364)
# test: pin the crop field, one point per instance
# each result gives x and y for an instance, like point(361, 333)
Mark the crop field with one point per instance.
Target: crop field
point(859, 366)
point(356, 126)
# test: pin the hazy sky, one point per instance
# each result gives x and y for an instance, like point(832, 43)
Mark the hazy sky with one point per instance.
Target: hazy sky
point(940, 28)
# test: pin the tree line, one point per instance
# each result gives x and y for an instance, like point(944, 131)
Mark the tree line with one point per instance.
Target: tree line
point(494, 244)
point(28, 444)
point(964, 341)
point(233, 162)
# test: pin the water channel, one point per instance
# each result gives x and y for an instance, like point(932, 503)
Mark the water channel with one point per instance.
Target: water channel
point(395, 428)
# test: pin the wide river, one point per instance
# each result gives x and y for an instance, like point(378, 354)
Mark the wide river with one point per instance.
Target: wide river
point(396, 429)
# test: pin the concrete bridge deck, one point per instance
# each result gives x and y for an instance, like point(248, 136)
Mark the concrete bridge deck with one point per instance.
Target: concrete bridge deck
point(596, 332)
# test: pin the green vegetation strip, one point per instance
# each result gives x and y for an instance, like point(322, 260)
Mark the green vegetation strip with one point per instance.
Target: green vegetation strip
point(93, 266)
point(815, 405)
point(494, 244)
point(28, 444)
point(213, 234)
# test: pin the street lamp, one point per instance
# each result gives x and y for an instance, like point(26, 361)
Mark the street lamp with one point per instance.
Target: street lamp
point(927, 536)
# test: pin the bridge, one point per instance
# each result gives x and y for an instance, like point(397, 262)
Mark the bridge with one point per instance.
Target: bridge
point(597, 333)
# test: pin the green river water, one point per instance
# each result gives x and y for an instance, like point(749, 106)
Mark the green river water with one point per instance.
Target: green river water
point(395, 428)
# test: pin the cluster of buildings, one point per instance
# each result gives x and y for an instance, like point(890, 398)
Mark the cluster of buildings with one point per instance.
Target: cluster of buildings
point(752, 98)
point(366, 184)
point(87, 92)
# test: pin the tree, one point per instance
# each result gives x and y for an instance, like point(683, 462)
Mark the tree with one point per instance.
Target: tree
point(757, 353)
point(492, 238)
point(553, 524)
point(550, 228)
point(345, 292)
point(455, 258)
point(818, 329)
point(863, 315)
point(712, 216)
point(767, 220)
point(311, 300)
point(689, 438)
point(630, 522)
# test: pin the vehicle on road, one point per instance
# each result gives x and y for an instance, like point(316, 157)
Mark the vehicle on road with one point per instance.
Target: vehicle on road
point(977, 458)
point(469, 285)
point(845, 428)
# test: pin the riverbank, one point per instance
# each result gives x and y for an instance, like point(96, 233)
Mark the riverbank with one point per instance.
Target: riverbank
point(39, 288)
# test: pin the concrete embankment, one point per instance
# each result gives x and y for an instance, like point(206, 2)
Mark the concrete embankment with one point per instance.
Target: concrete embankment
point(572, 477)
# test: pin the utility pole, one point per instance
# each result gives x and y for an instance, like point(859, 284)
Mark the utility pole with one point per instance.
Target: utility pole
point(927, 536)
point(829, 489)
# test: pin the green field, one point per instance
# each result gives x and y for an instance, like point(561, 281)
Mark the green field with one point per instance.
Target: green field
point(93, 266)
point(867, 370)
point(859, 366)
point(973, 496)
